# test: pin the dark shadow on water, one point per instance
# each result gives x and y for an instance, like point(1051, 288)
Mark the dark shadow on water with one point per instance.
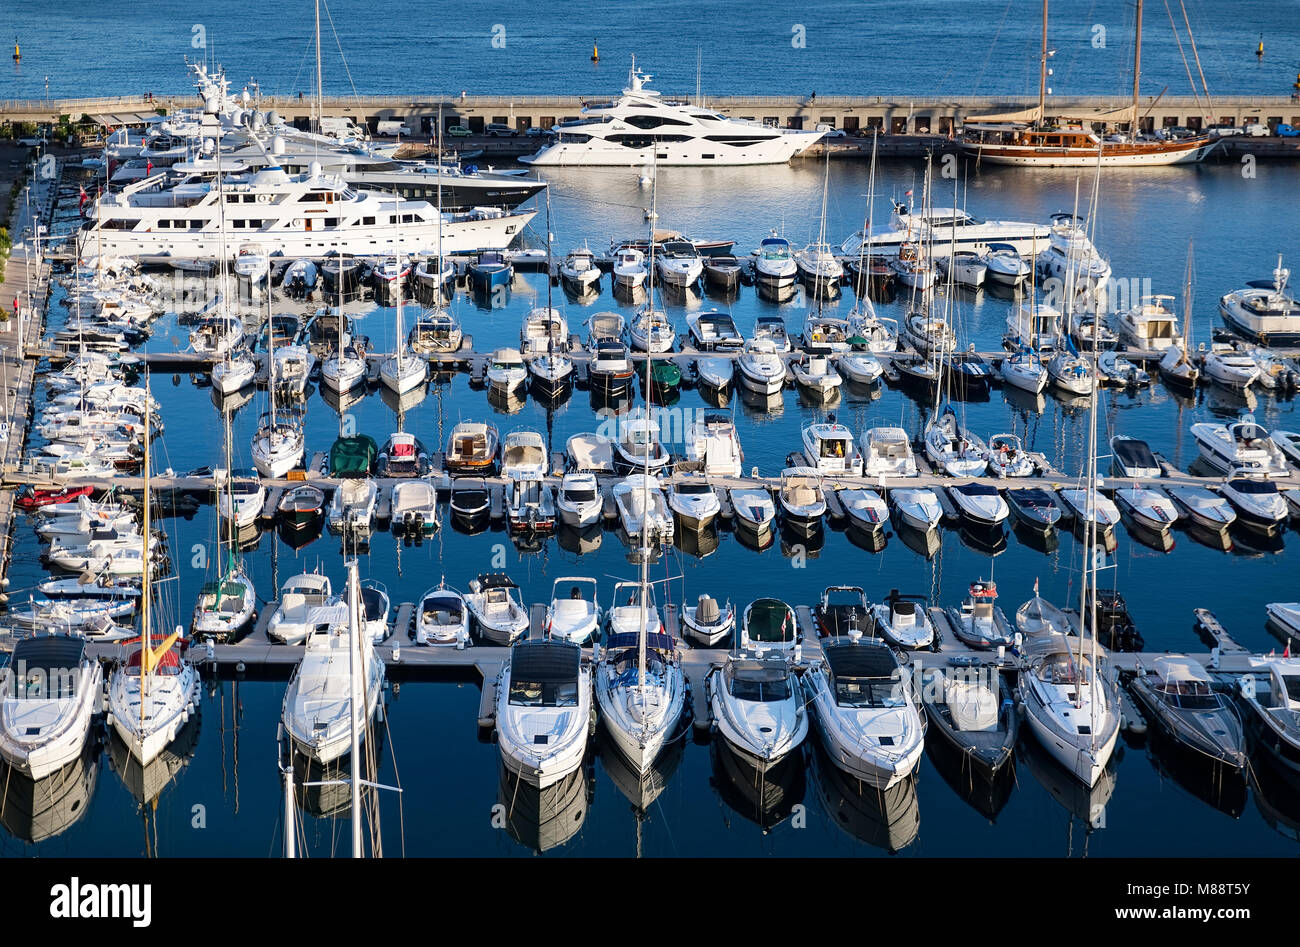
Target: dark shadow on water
point(888, 819)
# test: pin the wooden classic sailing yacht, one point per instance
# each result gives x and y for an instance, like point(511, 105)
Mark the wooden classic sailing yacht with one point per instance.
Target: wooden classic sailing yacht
point(1065, 144)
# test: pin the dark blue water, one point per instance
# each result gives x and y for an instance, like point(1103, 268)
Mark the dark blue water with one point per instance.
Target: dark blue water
point(927, 47)
point(1145, 223)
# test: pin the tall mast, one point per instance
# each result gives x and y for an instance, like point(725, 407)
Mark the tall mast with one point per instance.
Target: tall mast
point(354, 667)
point(145, 637)
point(1137, 69)
point(320, 85)
point(1042, 70)
point(645, 482)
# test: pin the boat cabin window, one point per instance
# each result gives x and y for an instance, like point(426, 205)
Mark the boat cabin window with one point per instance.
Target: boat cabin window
point(1292, 683)
point(743, 688)
point(1061, 669)
point(833, 447)
point(693, 489)
point(539, 694)
point(1189, 695)
point(865, 692)
point(1254, 487)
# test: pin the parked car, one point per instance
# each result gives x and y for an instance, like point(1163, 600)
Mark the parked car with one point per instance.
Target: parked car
point(458, 131)
point(1284, 130)
point(534, 132)
point(1223, 131)
point(1255, 130)
point(831, 131)
point(499, 129)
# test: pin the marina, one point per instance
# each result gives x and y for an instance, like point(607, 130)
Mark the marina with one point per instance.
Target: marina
point(719, 553)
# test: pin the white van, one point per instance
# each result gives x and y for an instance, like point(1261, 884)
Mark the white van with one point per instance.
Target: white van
point(340, 127)
point(389, 128)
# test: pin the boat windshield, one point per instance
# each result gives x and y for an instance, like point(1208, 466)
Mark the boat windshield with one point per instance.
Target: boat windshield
point(868, 692)
point(746, 689)
point(1189, 695)
point(538, 694)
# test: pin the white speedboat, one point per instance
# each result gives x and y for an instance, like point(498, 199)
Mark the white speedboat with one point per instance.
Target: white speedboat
point(1071, 706)
point(816, 374)
point(802, 498)
point(1151, 325)
point(413, 507)
point(436, 332)
point(860, 367)
point(242, 503)
point(1071, 255)
point(866, 509)
point(1035, 325)
point(887, 452)
point(762, 369)
point(715, 373)
point(352, 508)
point(1203, 507)
point(774, 264)
point(693, 502)
point(714, 331)
point(1256, 499)
point(707, 623)
point(819, 269)
point(965, 268)
point(678, 264)
point(543, 710)
point(1005, 266)
point(758, 708)
point(913, 267)
point(928, 334)
point(376, 608)
point(773, 329)
point(829, 448)
point(1241, 445)
point(53, 691)
point(1286, 615)
point(579, 501)
point(1272, 710)
point(1113, 369)
point(523, 454)
point(755, 510)
point(629, 269)
point(1133, 458)
point(217, 335)
point(493, 603)
point(1226, 366)
point(290, 369)
point(712, 442)
point(150, 700)
point(769, 625)
point(954, 449)
point(865, 709)
point(903, 621)
point(1007, 457)
point(300, 596)
point(980, 504)
point(506, 372)
point(1288, 442)
point(442, 619)
point(574, 613)
point(318, 704)
point(638, 445)
point(1104, 511)
point(642, 507)
point(1264, 311)
point(1147, 507)
point(579, 271)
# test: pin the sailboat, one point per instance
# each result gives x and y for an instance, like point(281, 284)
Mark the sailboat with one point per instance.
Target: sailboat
point(226, 607)
point(237, 368)
point(881, 335)
point(402, 371)
point(1176, 365)
point(151, 694)
point(1073, 144)
point(817, 265)
point(279, 444)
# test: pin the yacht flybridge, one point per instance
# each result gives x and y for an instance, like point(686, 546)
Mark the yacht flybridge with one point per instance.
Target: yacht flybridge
point(307, 215)
point(641, 128)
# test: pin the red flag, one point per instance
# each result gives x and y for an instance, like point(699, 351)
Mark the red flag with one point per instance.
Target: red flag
point(81, 202)
point(148, 168)
point(908, 194)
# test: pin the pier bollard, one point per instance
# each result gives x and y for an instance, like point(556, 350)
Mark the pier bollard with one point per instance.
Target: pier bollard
point(397, 651)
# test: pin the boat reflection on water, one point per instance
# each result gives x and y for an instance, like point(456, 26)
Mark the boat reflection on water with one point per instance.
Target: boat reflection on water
point(1255, 543)
point(801, 543)
point(400, 404)
point(699, 543)
point(1220, 540)
point(543, 819)
point(986, 796)
point(147, 784)
point(1046, 541)
point(1276, 797)
point(888, 819)
point(580, 542)
point(924, 544)
point(232, 402)
point(1211, 781)
point(299, 538)
point(761, 405)
point(619, 401)
point(322, 790)
point(991, 541)
point(873, 541)
point(1085, 806)
point(340, 401)
point(857, 391)
point(504, 402)
point(1159, 541)
point(766, 799)
point(1024, 402)
point(36, 810)
point(641, 790)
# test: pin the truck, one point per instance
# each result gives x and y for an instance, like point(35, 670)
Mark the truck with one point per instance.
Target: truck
point(1284, 130)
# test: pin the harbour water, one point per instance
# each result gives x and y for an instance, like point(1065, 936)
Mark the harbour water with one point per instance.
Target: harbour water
point(990, 47)
point(225, 798)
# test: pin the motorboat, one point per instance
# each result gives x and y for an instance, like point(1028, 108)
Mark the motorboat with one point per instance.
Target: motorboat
point(954, 449)
point(757, 708)
point(442, 619)
point(773, 329)
point(318, 712)
point(1268, 697)
point(579, 501)
point(493, 603)
point(413, 507)
point(1024, 369)
point(506, 372)
point(829, 448)
point(693, 502)
point(1070, 372)
point(865, 508)
point(301, 506)
point(300, 596)
point(1285, 616)
point(610, 367)
point(1148, 507)
point(1242, 445)
point(375, 610)
point(470, 503)
point(819, 269)
point(1115, 370)
point(762, 369)
point(574, 613)
point(352, 508)
point(489, 271)
point(722, 273)
point(754, 509)
point(642, 507)
point(862, 368)
point(217, 335)
point(543, 710)
point(1081, 501)
point(1256, 499)
point(590, 453)
point(903, 621)
point(816, 375)
point(842, 610)
point(868, 329)
point(1264, 311)
point(579, 272)
point(629, 269)
point(972, 708)
point(1034, 507)
point(1177, 694)
point(1070, 704)
point(1133, 458)
point(964, 268)
point(650, 331)
point(1005, 266)
point(435, 333)
point(1071, 255)
point(1034, 325)
point(638, 445)
point(712, 442)
point(150, 701)
point(1276, 373)
point(523, 454)
point(928, 334)
point(1288, 442)
point(1007, 457)
point(866, 710)
point(624, 614)
point(1149, 326)
point(435, 277)
point(530, 507)
point(918, 507)
point(1203, 507)
point(715, 373)
point(981, 504)
point(1090, 332)
point(888, 453)
point(48, 705)
point(706, 623)
point(769, 625)
point(472, 449)
point(802, 498)
point(979, 622)
point(774, 264)
point(1225, 365)
point(714, 331)
point(403, 455)
point(678, 264)
point(913, 267)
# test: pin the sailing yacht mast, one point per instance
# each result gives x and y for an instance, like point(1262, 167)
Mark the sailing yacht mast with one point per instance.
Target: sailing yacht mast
point(1042, 70)
point(145, 572)
point(320, 86)
point(354, 672)
point(1137, 70)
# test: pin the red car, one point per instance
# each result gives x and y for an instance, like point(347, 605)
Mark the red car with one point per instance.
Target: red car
point(31, 499)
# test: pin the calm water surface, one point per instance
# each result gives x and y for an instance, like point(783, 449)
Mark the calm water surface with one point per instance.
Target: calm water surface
point(1146, 803)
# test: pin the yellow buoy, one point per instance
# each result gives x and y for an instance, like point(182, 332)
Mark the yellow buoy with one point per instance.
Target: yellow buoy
point(18, 53)
point(595, 53)
point(1259, 50)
